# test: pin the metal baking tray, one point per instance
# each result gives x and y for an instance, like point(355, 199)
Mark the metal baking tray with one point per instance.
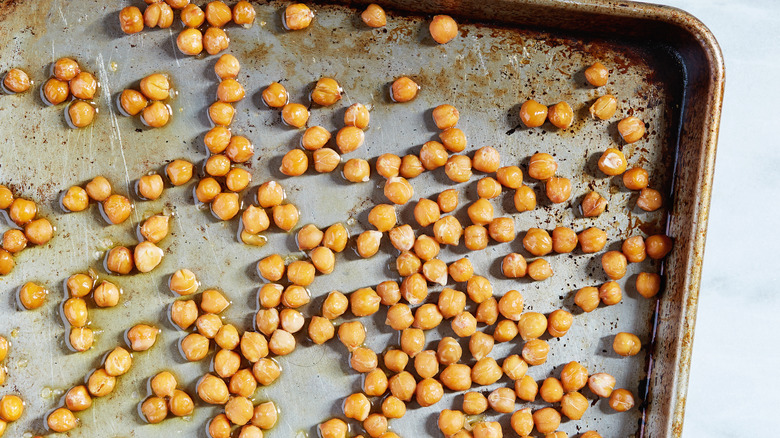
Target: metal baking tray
point(665, 66)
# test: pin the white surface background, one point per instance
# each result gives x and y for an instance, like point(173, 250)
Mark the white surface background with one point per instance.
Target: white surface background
point(734, 382)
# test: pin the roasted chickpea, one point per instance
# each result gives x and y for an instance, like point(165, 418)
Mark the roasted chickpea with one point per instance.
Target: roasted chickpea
point(364, 302)
point(116, 208)
point(267, 321)
point(429, 392)
point(524, 199)
point(546, 420)
point(522, 422)
point(593, 204)
point(388, 165)
point(604, 107)
point(402, 237)
point(294, 163)
point(486, 372)
point(230, 90)
point(648, 284)
point(614, 264)
point(502, 400)
point(78, 398)
point(597, 74)
point(367, 243)
point(266, 371)
point(538, 242)
point(561, 115)
point(551, 390)
point(80, 114)
point(158, 15)
point(221, 113)
point(601, 384)
point(32, 296)
point(320, 329)
point(325, 160)
point(297, 16)
point(81, 338)
point(443, 29)
point(142, 337)
point(296, 115)
point(526, 388)
point(333, 428)
point(163, 384)
point(239, 149)
point(118, 362)
point(193, 17)
point(531, 325)
point(275, 95)
point(448, 230)
point(219, 427)
point(398, 190)
point(244, 13)
point(453, 139)
point(649, 199)
point(6, 197)
point(225, 206)
point(448, 352)
point(271, 268)
point(55, 91)
point(411, 166)
point(403, 90)
point(75, 312)
point(180, 404)
point(326, 92)
point(610, 293)
point(39, 231)
point(435, 271)
point(481, 212)
point(61, 420)
point(352, 334)
point(612, 162)
point(227, 67)
point(389, 292)
point(131, 20)
point(215, 40)
point(119, 260)
point(218, 13)
point(502, 229)
point(154, 409)
point(433, 155)
point(402, 386)
point(542, 166)
point(426, 248)
point(626, 344)
point(412, 341)
point(150, 187)
point(190, 40)
point(356, 170)
point(65, 69)
point(559, 322)
point(183, 282)
point(464, 324)
point(207, 189)
point(592, 240)
point(213, 390)
point(315, 138)
point(505, 331)
point(396, 360)
point(334, 305)
point(633, 249)
point(14, 241)
point(514, 266)
point(487, 311)
point(374, 16)
point(635, 178)
point(533, 114)
point(621, 400)
point(488, 188)
point(238, 179)
point(255, 347)
point(147, 256)
point(480, 345)
point(632, 129)
point(363, 360)
point(486, 159)
point(375, 425)
point(535, 352)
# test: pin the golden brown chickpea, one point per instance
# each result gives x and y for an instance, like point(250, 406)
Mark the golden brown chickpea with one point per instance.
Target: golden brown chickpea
point(535, 352)
point(297, 16)
point(402, 386)
point(538, 242)
point(4, 347)
point(78, 398)
point(511, 305)
point(635, 178)
point(163, 384)
point(180, 404)
point(480, 345)
point(632, 129)
point(364, 302)
point(412, 341)
point(593, 204)
point(502, 400)
point(533, 114)
point(398, 190)
point(334, 305)
point(451, 302)
point(505, 331)
point(375, 425)
point(141, 337)
point(356, 170)
point(479, 289)
point(601, 384)
point(486, 372)
point(244, 13)
point(213, 390)
point(614, 264)
point(486, 159)
point(75, 312)
point(458, 168)
point(429, 392)
point(275, 95)
point(612, 162)
point(81, 338)
point(119, 260)
point(6, 262)
point(610, 293)
point(55, 91)
point(561, 115)
point(193, 17)
point(427, 317)
point(433, 155)
point(551, 390)
point(542, 166)
point(604, 107)
point(154, 410)
point(320, 330)
point(453, 139)
point(658, 246)
point(239, 410)
point(158, 15)
point(14, 241)
point(388, 165)
point(488, 188)
point(215, 40)
point(525, 199)
point(266, 371)
point(218, 14)
point(464, 324)
point(294, 163)
point(448, 230)
point(592, 240)
point(6, 197)
point(597, 74)
point(531, 325)
point(402, 237)
point(207, 189)
point(212, 301)
point(80, 114)
point(150, 187)
point(184, 313)
point(526, 388)
point(271, 268)
point(217, 139)
point(100, 383)
point(626, 344)
point(396, 360)
point(238, 179)
point(574, 405)
point(374, 16)
point(559, 322)
point(116, 209)
point(546, 420)
point(147, 256)
point(435, 271)
point(426, 248)
point(389, 292)
point(443, 28)
point(296, 115)
point(32, 296)
point(118, 362)
point(573, 377)
point(352, 334)
point(227, 67)
point(564, 240)
point(649, 199)
point(315, 138)
point(267, 321)
point(83, 86)
point(225, 206)
point(487, 311)
point(61, 420)
point(621, 400)
point(367, 243)
point(363, 360)
point(514, 266)
point(325, 160)
point(190, 41)
point(448, 352)
point(414, 288)
point(474, 403)
point(221, 113)
point(333, 428)
point(130, 20)
point(481, 212)
point(65, 69)
point(502, 229)
point(403, 90)
point(230, 90)
point(219, 427)
point(179, 172)
point(634, 249)
point(411, 167)
point(648, 284)
point(326, 92)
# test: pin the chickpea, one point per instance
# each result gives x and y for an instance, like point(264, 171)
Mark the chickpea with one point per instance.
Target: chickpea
point(448, 230)
point(542, 166)
point(219, 427)
point(612, 162)
point(100, 383)
point(633, 249)
point(551, 390)
point(81, 338)
point(590, 434)
point(626, 344)
point(621, 400)
point(4, 347)
point(180, 404)
point(297, 16)
point(78, 398)
point(458, 168)
point(505, 331)
point(239, 410)
point(526, 388)
point(559, 322)
point(593, 204)
point(325, 160)
point(147, 256)
point(357, 407)
point(230, 90)
point(403, 90)
point(426, 248)
point(194, 347)
point(116, 208)
point(356, 170)
point(389, 292)
point(221, 113)
point(502, 229)
point(364, 302)
point(227, 67)
point(632, 129)
point(55, 91)
point(487, 311)
point(597, 74)
point(648, 284)
point(14, 241)
point(267, 321)
point(352, 335)
point(487, 429)
point(75, 312)
point(658, 246)
point(538, 242)
point(514, 266)
point(61, 420)
point(83, 86)
point(334, 305)
point(522, 422)
point(614, 264)
point(374, 16)
point(275, 95)
point(402, 386)
point(535, 352)
point(190, 40)
point(118, 362)
point(270, 194)
point(398, 190)
point(488, 188)
point(192, 16)
point(604, 107)
point(320, 329)
point(367, 244)
point(649, 200)
point(480, 345)
point(396, 360)
point(326, 92)
point(433, 155)
point(448, 200)
point(610, 293)
point(294, 163)
point(531, 325)
point(412, 341)
point(65, 69)
point(486, 372)
point(315, 138)
point(349, 138)
point(158, 15)
point(142, 337)
point(635, 178)
point(546, 420)
point(443, 29)
point(285, 216)
point(296, 115)
point(573, 377)
point(237, 179)
point(447, 352)
point(561, 115)
point(375, 425)
point(32, 296)
point(119, 260)
point(163, 384)
point(388, 165)
point(502, 400)
point(429, 392)
point(215, 40)
point(80, 114)
point(435, 271)
point(464, 324)
point(150, 187)
point(154, 410)
point(592, 240)
point(601, 384)
point(427, 317)
point(333, 428)
point(184, 313)
point(130, 20)
point(6, 197)
point(227, 337)
point(266, 371)
point(218, 13)
point(525, 199)
point(411, 166)
point(451, 302)
point(486, 159)
point(244, 13)
point(207, 190)
point(212, 390)
point(402, 237)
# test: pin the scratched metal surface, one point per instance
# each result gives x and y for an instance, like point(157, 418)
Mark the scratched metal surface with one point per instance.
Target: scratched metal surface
point(485, 73)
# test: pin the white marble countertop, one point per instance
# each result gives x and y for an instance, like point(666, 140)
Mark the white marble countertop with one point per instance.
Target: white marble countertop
point(734, 387)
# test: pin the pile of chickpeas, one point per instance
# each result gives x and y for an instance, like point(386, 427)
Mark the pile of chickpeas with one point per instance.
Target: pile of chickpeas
point(241, 361)
point(28, 228)
point(68, 79)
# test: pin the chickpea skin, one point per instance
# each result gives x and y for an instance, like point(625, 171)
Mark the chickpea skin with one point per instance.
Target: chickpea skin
point(297, 16)
point(403, 90)
point(374, 16)
point(632, 129)
point(81, 114)
point(55, 91)
point(443, 29)
point(131, 20)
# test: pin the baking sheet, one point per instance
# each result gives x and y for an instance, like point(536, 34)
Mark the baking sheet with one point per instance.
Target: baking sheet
point(486, 73)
